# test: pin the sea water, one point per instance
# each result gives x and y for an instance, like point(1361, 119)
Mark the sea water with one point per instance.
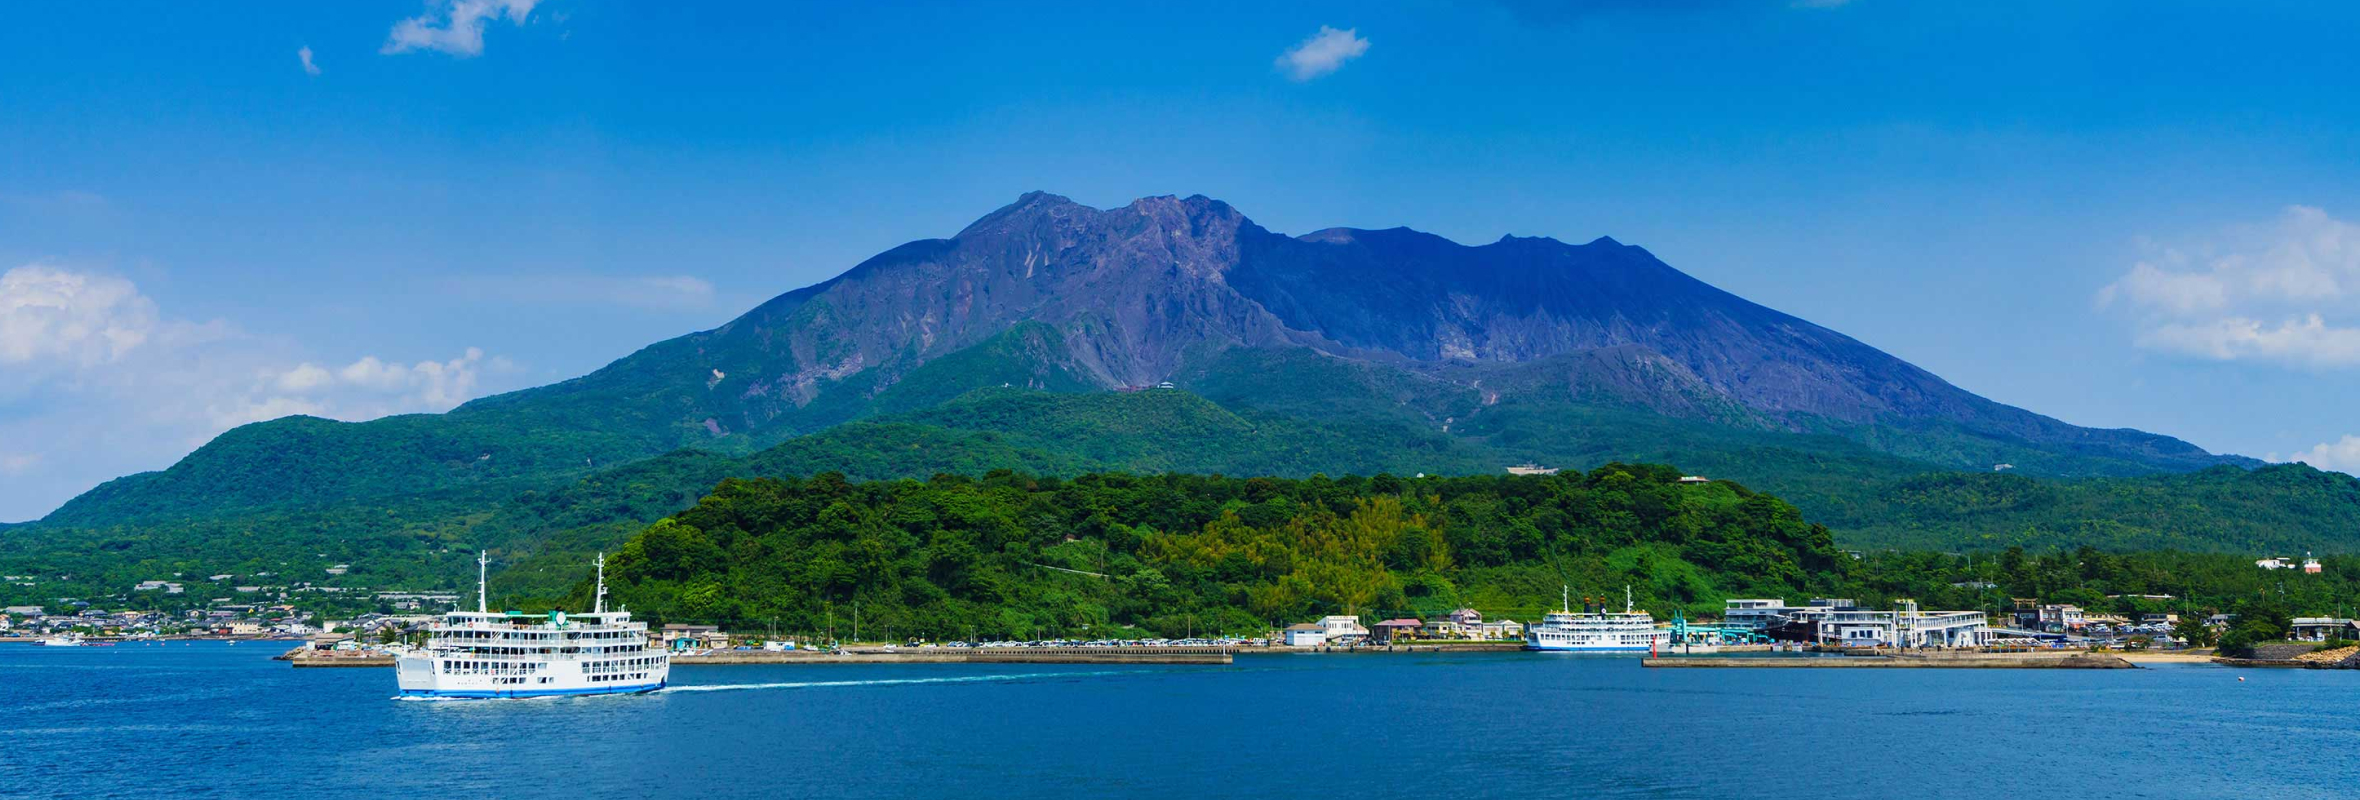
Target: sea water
point(214, 720)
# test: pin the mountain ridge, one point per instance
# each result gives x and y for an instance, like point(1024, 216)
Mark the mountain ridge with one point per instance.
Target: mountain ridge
point(1053, 294)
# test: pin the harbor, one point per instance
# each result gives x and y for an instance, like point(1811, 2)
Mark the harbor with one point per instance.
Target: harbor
point(2065, 660)
point(307, 657)
point(1753, 633)
point(1067, 718)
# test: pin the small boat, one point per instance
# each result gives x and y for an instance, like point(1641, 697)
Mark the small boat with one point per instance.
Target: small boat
point(62, 640)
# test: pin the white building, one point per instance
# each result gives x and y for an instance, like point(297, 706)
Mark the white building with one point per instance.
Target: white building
point(2062, 617)
point(1338, 627)
point(1839, 621)
point(1756, 613)
point(2319, 629)
point(1304, 635)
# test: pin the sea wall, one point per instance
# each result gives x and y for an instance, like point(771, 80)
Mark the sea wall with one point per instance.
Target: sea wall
point(1961, 661)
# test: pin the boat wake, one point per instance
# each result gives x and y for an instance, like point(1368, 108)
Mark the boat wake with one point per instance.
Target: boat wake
point(1026, 676)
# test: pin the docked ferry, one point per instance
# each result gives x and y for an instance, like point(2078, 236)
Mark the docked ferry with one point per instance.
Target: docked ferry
point(1596, 630)
point(481, 654)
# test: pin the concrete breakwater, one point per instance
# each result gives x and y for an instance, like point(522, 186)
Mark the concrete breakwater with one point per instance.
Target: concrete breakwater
point(967, 655)
point(1946, 661)
point(305, 658)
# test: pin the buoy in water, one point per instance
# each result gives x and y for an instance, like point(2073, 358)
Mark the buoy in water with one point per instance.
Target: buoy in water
point(2240, 679)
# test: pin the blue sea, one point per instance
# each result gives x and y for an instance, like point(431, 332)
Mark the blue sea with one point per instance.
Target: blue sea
point(217, 720)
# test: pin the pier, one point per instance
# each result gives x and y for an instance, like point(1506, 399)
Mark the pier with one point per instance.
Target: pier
point(304, 657)
point(1905, 661)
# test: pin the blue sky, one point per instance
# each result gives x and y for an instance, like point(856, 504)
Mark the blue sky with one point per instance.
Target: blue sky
point(2133, 214)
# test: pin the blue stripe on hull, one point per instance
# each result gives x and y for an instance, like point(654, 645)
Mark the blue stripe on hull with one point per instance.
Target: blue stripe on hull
point(1546, 649)
point(487, 694)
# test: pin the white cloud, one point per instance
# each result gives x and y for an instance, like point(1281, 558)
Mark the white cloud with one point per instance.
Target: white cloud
point(2342, 455)
point(1323, 53)
point(98, 382)
point(2308, 341)
point(2284, 292)
point(47, 313)
point(305, 55)
point(453, 26)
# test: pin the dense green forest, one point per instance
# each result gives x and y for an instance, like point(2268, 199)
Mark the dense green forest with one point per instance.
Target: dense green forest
point(545, 528)
point(1016, 555)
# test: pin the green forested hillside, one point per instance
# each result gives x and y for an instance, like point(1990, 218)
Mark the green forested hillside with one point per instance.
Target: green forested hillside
point(544, 527)
point(2283, 508)
point(1016, 555)
point(1013, 555)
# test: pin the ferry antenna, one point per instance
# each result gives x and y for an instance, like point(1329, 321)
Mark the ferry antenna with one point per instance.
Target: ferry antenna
point(483, 562)
point(598, 598)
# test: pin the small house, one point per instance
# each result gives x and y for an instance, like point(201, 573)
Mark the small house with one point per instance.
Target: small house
point(2319, 629)
point(1305, 635)
point(1459, 624)
point(694, 637)
point(1390, 630)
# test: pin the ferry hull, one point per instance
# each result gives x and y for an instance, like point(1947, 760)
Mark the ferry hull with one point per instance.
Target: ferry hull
point(417, 676)
point(498, 694)
point(1545, 648)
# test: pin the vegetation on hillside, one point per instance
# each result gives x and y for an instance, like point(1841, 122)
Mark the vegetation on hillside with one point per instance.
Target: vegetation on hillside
point(1014, 555)
point(545, 527)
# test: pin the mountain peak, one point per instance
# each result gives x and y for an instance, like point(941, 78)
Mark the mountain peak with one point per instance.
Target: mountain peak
point(1032, 205)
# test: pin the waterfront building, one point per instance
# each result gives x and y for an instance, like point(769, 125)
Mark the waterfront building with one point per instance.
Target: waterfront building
point(694, 637)
point(1500, 629)
point(2320, 629)
point(1458, 624)
point(1844, 622)
point(1305, 635)
point(2062, 617)
point(1756, 613)
point(1340, 627)
point(1392, 629)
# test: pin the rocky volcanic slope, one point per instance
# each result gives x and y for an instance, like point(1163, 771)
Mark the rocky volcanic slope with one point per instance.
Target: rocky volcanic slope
point(1050, 294)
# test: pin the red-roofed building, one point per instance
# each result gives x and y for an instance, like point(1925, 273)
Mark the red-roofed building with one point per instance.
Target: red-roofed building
point(1385, 632)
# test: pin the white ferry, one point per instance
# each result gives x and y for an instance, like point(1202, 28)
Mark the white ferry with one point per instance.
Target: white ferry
point(482, 654)
point(62, 640)
point(1596, 630)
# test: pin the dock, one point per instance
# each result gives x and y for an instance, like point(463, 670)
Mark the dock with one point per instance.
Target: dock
point(967, 655)
point(301, 657)
point(1946, 661)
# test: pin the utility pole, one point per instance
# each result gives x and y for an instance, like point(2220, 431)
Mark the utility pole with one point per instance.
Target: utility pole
point(856, 620)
